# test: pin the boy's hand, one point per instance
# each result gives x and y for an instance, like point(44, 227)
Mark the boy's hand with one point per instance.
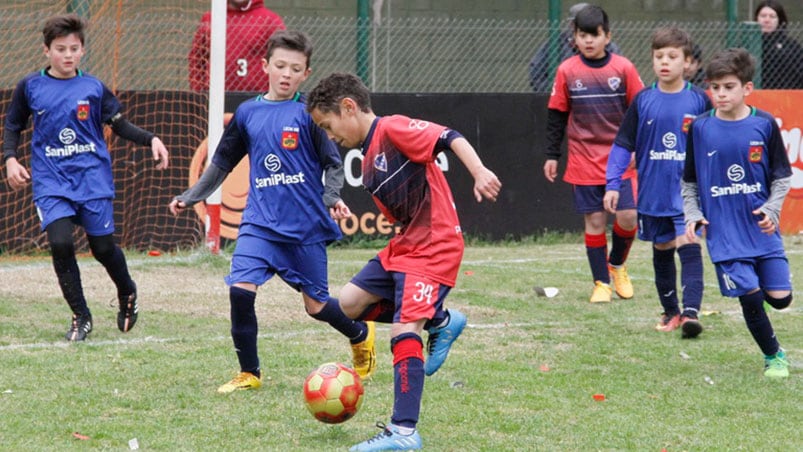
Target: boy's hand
point(551, 170)
point(176, 206)
point(611, 200)
point(16, 174)
point(691, 229)
point(486, 185)
point(159, 153)
point(765, 223)
point(340, 210)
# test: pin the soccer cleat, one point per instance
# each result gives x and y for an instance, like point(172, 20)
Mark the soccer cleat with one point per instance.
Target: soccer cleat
point(668, 323)
point(243, 381)
point(621, 281)
point(440, 341)
point(127, 315)
point(363, 354)
point(776, 366)
point(690, 327)
point(79, 328)
point(389, 439)
point(602, 293)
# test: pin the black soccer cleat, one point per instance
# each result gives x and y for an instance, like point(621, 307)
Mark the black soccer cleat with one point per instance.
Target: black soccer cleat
point(127, 315)
point(81, 326)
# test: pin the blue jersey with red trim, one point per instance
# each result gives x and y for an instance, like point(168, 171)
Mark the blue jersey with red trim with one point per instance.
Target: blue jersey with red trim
point(288, 155)
point(400, 172)
point(69, 155)
point(596, 96)
point(734, 164)
point(655, 129)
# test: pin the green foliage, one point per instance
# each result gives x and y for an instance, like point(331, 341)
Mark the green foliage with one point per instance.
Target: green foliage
point(522, 376)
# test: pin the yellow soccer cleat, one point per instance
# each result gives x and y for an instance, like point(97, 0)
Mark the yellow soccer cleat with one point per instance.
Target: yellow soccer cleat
point(243, 381)
point(364, 354)
point(602, 293)
point(621, 281)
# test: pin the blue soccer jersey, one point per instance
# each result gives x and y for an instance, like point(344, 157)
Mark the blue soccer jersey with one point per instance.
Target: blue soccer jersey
point(734, 164)
point(288, 155)
point(655, 129)
point(69, 156)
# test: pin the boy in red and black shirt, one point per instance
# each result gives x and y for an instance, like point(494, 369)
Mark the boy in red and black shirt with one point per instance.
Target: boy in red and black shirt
point(409, 279)
point(591, 94)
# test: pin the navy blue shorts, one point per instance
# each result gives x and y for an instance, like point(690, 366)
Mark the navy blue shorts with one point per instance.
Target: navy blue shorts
point(302, 267)
point(740, 277)
point(416, 297)
point(96, 216)
point(660, 229)
point(588, 198)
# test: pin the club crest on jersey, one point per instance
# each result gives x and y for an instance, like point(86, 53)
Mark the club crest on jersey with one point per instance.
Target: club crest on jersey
point(614, 83)
point(290, 138)
point(381, 163)
point(83, 110)
point(687, 119)
point(755, 153)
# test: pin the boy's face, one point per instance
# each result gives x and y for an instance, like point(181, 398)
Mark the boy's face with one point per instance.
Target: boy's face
point(669, 64)
point(343, 128)
point(728, 94)
point(64, 56)
point(592, 46)
point(286, 70)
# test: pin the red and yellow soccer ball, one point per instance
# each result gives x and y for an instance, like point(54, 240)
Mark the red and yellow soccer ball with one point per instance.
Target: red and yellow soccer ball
point(333, 393)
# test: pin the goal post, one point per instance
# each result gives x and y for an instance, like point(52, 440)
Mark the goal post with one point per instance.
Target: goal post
point(217, 62)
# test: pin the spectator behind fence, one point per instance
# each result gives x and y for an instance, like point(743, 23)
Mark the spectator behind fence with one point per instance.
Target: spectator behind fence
point(248, 26)
point(695, 73)
point(782, 60)
point(540, 73)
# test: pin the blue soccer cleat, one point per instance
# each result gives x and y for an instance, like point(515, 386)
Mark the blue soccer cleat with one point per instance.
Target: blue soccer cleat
point(389, 439)
point(440, 341)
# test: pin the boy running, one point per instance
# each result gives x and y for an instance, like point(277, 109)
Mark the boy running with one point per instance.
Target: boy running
point(736, 177)
point(654, 129)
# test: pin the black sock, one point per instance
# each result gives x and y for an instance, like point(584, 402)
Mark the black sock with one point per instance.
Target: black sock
point(244, 328)
point(691, 278)
point(663, 262)
point(759, 323)
point(333, 315)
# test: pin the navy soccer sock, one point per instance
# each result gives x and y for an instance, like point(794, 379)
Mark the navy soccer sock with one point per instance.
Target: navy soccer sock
point(333, 315)
point(408, 378)
point(759, 323)
point(597, 252)
point(244, 329)
point(691, 278)
point(113, 260)
point(62, 251)
point(663, 262)
point(621, 241)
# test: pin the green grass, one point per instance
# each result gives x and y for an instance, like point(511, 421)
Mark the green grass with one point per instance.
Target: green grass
point(521, 377)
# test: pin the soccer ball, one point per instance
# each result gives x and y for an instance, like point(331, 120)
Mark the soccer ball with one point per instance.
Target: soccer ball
point(333, 393)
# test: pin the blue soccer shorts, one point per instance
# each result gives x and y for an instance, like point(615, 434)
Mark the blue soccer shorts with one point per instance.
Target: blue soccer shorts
point(416, 297)
point(742, 276)
point(96, 216)
point(302, 267)
point(588, 198)
point(660, 229)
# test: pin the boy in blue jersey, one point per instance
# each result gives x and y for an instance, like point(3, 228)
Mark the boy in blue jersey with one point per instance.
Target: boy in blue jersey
point(736, 177)
point(654, 129)
point(287, 221)
point(71, 169)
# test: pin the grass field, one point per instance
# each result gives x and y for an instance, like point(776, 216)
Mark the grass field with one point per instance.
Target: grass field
point(522, 376)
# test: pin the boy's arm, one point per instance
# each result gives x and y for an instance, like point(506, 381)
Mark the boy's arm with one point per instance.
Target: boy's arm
point(486, 184)
point(16, 120)
point(333, 174)
point(556, 122)
point(125, 129)
point(780, 174)
point(689, 190)
point(209, 181)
